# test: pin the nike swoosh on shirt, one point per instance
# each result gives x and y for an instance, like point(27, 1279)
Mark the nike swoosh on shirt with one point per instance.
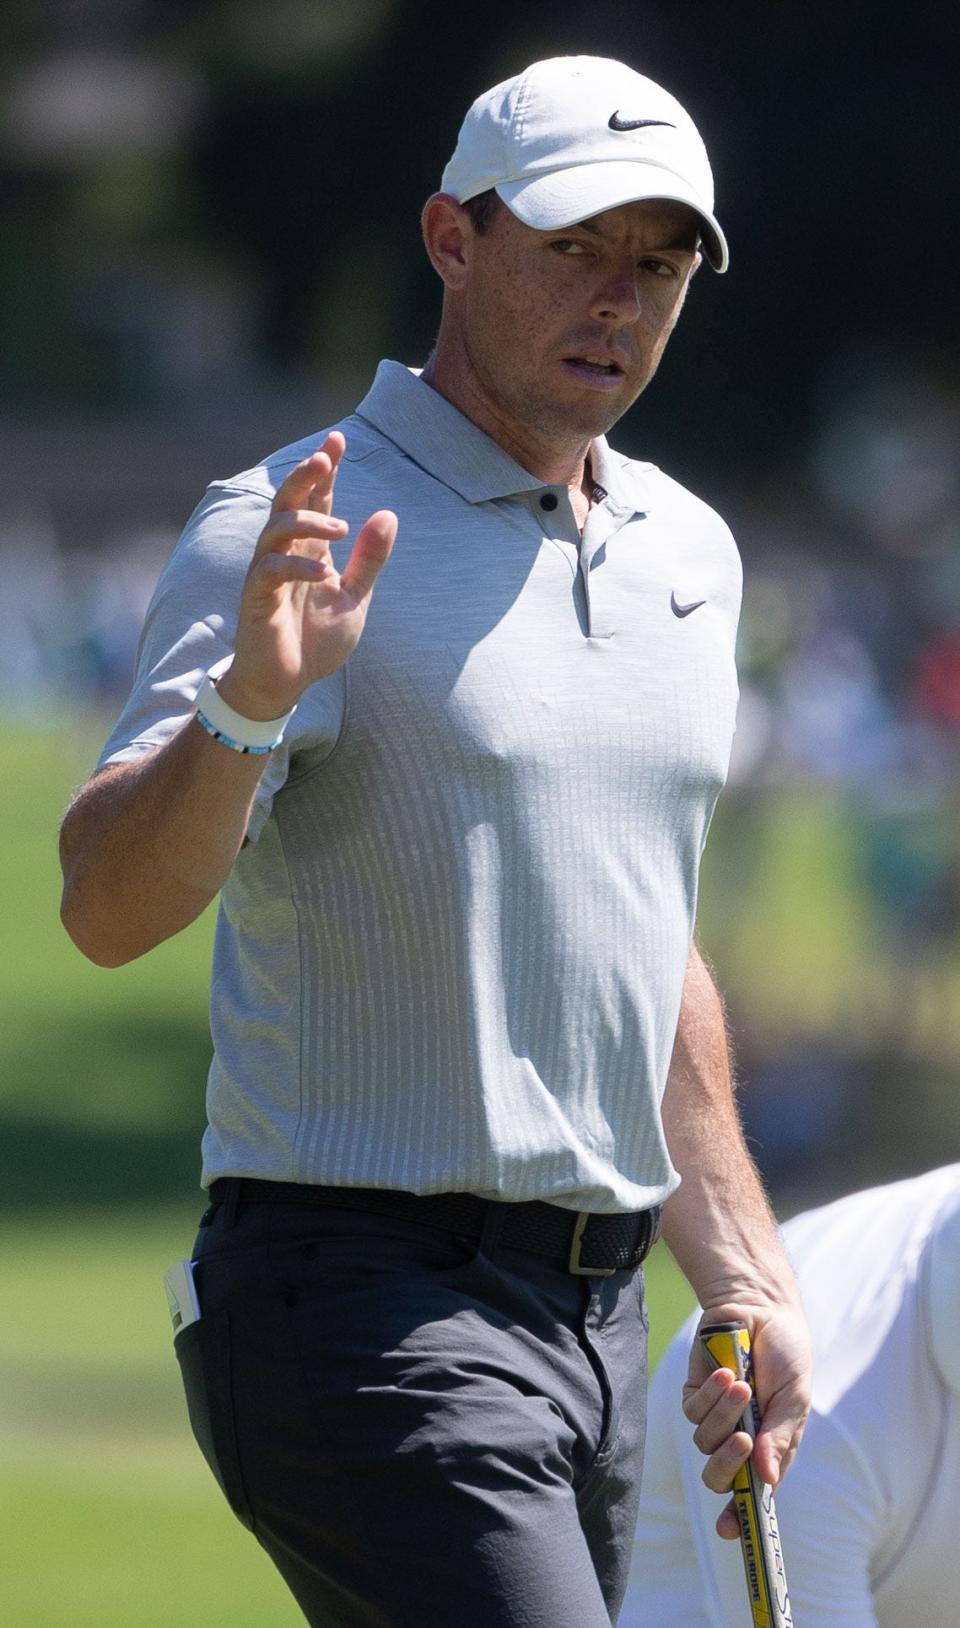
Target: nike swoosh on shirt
point(616, 123)
point(684, 610)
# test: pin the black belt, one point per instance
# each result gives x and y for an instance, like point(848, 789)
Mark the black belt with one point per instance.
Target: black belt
point(588, 1244)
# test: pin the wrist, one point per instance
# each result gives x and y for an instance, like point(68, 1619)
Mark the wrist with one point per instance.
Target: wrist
point(236, 729)
point(247, 702)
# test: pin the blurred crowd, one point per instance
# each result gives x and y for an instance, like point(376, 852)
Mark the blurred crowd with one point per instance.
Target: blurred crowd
point(850, 637)
point(850, 641)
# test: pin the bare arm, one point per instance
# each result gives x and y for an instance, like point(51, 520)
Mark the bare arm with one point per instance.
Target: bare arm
point(146, 845)
point(720, 1229)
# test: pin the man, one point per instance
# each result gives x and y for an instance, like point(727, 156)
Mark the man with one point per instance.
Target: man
point(868, 1517)
point(458, 861)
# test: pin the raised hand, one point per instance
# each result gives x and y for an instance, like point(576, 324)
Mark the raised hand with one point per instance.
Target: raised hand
point(300, 618)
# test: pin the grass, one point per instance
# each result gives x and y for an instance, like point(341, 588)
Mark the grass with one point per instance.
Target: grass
point(101, 1073)
point(111, 1519)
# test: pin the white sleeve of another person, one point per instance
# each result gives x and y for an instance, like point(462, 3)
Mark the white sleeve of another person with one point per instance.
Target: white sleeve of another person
point(683, 1573)
point(830, 1510)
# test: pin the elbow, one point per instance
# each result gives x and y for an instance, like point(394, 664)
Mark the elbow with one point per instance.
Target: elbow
point(97, 950)
point(103, 948)
point(102, 955)
point(101, 926)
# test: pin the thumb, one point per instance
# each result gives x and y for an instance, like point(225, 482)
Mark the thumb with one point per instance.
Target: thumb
point(776, 1444)
point(370, 553)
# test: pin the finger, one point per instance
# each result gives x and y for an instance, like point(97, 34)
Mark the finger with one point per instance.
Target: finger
point(784, 1404)
point(310, 483)
point(370, 553)
point(715, 1407)
point(274, 570)
point(295, 491)
point(728, 1522)
point(702, 1368)
point(721, 1467)
point(299, 526)
point(334, 447)
point(702, 1395)
point(720, 1423)
point(777, 1441)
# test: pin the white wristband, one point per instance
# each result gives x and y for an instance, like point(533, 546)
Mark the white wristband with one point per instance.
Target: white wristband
point(232, 728)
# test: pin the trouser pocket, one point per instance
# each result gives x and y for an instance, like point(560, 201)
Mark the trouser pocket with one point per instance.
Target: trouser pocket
point(204, 1351)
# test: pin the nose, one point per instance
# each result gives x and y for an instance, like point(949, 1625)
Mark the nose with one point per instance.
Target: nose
point(617, 300)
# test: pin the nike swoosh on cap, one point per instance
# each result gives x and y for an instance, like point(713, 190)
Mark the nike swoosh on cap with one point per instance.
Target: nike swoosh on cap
point(616, 123)
point(684, 610)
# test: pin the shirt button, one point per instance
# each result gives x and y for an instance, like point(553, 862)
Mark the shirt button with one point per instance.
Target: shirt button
point(549, 501)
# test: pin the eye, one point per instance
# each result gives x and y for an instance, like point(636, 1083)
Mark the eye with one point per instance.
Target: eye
point(660, 268)
point(568, 245)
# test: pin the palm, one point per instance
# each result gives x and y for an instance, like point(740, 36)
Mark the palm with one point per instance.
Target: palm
point(312, 630)
point(300, 619)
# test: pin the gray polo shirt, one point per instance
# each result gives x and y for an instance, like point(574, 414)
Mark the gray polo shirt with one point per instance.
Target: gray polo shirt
point(451, 955)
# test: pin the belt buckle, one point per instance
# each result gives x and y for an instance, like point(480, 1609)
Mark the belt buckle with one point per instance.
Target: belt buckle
point(574, 1263)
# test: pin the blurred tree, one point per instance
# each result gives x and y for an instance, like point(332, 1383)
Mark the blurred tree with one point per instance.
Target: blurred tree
point(280, 150)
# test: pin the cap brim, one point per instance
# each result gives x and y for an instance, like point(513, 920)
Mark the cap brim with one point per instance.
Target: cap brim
point(564, 197)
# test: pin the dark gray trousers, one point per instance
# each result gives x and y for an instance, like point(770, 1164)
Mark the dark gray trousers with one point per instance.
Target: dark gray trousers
point(422, 1430)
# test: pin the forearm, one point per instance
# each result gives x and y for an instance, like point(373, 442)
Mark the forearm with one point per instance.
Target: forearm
point(146, 845)
point(718, 1224)
point(722, 1232)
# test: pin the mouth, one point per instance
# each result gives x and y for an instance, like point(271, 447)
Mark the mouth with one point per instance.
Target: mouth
point(599, 372)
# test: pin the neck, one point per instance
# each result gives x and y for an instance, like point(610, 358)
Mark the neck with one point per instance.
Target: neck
point(554, 463)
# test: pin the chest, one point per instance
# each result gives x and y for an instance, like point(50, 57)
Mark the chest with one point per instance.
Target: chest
point(508, 652)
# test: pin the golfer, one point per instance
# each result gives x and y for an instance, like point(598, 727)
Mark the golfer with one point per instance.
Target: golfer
point(440, 701)
point(868, 1518)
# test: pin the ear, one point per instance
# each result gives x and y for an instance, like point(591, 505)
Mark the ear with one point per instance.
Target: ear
point(448, 236)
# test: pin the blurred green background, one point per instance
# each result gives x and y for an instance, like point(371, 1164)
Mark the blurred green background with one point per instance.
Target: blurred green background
point(208, 237)
point(112, 1518)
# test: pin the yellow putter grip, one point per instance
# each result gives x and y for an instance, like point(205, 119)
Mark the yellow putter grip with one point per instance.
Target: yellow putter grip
point(728, 1346)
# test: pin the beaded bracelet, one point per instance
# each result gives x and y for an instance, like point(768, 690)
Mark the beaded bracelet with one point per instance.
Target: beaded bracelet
point(255, 736)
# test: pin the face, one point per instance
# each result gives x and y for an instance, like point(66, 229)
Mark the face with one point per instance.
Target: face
point(558, 332)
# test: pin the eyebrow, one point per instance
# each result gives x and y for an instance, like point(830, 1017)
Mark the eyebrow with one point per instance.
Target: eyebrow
point(681, 242)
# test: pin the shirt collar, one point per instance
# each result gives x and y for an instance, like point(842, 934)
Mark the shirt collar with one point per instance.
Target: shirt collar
point(621, 478)
point(437, 437)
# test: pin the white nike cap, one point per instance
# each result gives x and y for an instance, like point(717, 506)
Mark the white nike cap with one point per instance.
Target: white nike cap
point(573, 136)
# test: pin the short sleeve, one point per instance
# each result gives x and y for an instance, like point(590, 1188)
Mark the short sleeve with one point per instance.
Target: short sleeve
point(189, 629)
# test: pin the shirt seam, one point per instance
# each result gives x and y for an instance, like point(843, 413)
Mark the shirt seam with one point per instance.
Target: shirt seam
point(230, 484)
point(893, 1559)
